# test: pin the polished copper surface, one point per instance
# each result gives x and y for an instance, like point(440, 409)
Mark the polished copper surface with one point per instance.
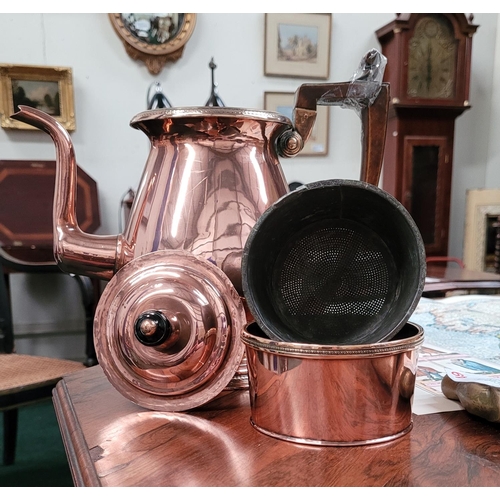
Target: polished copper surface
point(201, 350)
point(210, 174)
point(332, 395)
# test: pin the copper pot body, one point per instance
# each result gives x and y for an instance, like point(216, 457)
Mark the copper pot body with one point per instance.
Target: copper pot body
point(332, 395)
point(210, 174)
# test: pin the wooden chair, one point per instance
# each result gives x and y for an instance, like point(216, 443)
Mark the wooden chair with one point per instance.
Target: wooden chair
point(26, 197)
point(26, 229)
point(24, 379)
point(89, 292)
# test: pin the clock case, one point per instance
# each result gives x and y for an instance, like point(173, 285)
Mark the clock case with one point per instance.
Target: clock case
point(420, 131)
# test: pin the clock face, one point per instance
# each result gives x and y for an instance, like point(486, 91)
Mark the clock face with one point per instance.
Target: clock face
point(431, 59)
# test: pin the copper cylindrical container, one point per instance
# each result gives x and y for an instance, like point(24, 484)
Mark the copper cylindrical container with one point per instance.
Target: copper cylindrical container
point(332, 395)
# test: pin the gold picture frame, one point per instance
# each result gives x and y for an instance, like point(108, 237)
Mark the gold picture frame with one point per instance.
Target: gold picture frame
point(317, 144)
point(49, 88)
point(154, 39)
point(297, 45)
point(481, 206)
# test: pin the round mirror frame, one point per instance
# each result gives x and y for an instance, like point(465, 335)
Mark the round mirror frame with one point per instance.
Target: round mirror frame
point(155, 56)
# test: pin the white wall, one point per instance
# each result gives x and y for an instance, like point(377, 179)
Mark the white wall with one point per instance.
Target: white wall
point(473, 136)
point(493, 166)
point(110, 88)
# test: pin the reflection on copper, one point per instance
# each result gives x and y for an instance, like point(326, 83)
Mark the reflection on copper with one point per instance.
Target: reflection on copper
point(258, 175)
point(203, 350)
point(181, 201)
point(183, 432)
point(210, 174)
point(332, 395)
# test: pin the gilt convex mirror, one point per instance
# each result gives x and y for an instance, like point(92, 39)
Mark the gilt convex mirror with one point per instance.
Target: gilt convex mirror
point(154, 39)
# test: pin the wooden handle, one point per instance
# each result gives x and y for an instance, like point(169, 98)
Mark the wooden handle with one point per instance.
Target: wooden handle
point(354, 95)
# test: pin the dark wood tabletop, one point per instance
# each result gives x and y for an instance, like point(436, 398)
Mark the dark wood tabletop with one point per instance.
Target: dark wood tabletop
point(448, 278)
point(110, 441)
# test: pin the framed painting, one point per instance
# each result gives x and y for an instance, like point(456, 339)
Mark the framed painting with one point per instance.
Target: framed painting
point(154, 39)
point(317, 144)
point(297, 45)
point(47, 88)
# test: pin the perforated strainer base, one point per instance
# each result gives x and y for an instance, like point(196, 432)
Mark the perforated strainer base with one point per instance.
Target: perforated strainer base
point(337, 262)
point(333, 275)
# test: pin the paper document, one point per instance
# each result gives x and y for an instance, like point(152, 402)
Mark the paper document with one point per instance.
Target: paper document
point(433, 364)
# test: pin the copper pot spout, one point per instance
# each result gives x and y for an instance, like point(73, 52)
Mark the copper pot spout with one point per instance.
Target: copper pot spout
point(74, 250)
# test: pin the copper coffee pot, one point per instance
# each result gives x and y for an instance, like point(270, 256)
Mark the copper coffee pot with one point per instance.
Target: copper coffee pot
point(211, 173)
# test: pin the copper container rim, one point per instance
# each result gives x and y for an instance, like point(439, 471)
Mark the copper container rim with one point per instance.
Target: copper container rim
point(319, 351)
point(208, 111)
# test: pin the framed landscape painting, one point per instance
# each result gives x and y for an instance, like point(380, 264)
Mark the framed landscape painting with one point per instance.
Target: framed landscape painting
point(47, 88)
point(298, 45)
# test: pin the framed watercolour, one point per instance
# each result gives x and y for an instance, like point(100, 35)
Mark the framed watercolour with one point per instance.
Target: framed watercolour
point(47, 88)
point(154, 39)
point(317, 144)
point(298, 45)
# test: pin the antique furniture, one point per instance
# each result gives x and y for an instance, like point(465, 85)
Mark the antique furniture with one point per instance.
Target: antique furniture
point(443, 279)
point(428, 68)
point(112, 442)
point(26, 199)
point(445, 260)
point(24, 379)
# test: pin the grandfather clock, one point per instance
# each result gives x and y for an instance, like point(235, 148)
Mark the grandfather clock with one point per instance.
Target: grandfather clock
point(428, 67)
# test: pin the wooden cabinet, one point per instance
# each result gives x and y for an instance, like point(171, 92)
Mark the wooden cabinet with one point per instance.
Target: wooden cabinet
point(428, 67)
point(26, 200)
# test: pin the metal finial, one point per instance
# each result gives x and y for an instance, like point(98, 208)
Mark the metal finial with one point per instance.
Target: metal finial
point(156, 99)
point(214, 100)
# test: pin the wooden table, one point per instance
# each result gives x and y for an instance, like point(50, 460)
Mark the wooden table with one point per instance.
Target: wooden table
point(112, 442)
point(441, 279)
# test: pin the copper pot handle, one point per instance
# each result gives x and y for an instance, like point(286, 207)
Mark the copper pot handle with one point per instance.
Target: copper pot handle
point(372, 108)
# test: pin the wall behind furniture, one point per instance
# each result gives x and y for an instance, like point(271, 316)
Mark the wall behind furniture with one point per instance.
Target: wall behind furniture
point(110, 88)
point(493, 166)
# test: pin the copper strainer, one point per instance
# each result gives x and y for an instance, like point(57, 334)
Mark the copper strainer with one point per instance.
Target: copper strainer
point(334, 262)
point(338, 261)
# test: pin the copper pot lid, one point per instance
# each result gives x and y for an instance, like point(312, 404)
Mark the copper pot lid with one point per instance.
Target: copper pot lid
point(167, 331)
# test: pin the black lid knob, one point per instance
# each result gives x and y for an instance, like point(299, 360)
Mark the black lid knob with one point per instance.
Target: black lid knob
point(152, 328)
